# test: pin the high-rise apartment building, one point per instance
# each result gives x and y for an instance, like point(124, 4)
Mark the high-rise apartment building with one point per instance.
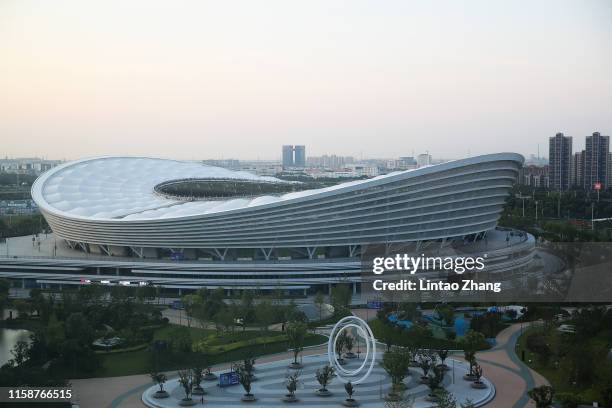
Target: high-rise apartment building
point(287, 156)
point(299, 158)
point(559, 161)
point(577, 170)
point(596, 161)
point(294, 156)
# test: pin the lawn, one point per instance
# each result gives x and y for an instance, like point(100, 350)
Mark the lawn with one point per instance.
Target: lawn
point(141, 361)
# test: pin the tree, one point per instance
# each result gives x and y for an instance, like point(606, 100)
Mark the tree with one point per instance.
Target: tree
point(477, 370)
point(245, 308)
point(319, 301)
point(291, 383)
point(350, 390)
point(434, 380)
point(442, 354)
point(445, 399)
point(264, 314)
point(245, 378)
point(78, 328)
point(296, 334)
point(186, 381)
point(425, 360)
point(19, 353)
point(542, 396)
point(159, 379)
point(349, 341)
point(23, 308)
point(324, 377)
point(341, 297)
point(446, 313)
point(5, 285)
point(225, 319)
point(471, 342)
point(197, 374)
point(396, 363)
point(340, 345)
point(401, 401)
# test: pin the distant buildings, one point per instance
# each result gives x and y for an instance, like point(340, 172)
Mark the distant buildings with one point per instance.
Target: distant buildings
point(34, 165)
point(17, 207)
point(596, 157)
point(299, 157)
point(589, 169)
point(423, 160)
point(294, 156)
point(534, 176)
point(331, 162)
point(287, 156)
point(560, 159)
point(226, 163)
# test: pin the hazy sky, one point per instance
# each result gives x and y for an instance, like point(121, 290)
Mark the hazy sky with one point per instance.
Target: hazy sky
point(211, 79)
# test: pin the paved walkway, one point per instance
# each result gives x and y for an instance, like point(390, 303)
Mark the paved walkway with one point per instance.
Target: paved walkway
point(125, 392)
point(501, 366)
point(504, 368)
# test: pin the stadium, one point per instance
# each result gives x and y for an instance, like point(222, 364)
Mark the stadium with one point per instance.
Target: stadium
point(184, 225)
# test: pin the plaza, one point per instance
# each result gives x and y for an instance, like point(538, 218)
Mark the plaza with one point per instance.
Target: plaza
point(269, 387)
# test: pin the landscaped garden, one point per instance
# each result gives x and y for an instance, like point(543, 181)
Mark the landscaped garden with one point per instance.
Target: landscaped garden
point(444, 327)
point(99, 331)
point(573, 355)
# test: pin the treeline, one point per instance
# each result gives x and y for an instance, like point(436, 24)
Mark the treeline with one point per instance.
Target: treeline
point(20, 225)
point(65, 326)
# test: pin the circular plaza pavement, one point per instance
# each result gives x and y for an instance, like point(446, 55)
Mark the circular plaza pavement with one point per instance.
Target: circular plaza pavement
point(269, 387)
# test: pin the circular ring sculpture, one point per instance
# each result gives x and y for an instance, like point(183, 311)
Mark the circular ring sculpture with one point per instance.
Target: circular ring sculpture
point(355, 376)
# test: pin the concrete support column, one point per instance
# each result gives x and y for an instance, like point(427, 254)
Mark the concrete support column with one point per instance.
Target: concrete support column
point(97, 270)
point(329, 289)
point(23, 284)
point(117, 271)
point(354, 288)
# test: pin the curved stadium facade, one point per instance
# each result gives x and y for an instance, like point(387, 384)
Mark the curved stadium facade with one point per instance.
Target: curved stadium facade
point(185, 225)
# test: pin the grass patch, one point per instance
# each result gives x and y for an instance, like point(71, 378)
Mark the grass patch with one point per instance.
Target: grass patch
point(236, 346)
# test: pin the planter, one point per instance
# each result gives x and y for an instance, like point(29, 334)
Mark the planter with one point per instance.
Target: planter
point(209, 377)
point(469, 377)
point(479, 385)
point(323, 393)
point(198, 391)
point(295, 366)
point(161, 394)
point(187, 402)
point(350, 354)
point(248, 398)
point(444, 367)
point(350, 402)
point(290, 398)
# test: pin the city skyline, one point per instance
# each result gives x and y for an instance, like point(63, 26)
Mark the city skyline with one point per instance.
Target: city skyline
point(200, 80)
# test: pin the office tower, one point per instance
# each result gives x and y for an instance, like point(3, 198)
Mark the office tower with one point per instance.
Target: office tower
point(596, 161)
point(577, 170)
point(300, 156)
point(559, 161)
point(288, 156)
point(423, 159)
